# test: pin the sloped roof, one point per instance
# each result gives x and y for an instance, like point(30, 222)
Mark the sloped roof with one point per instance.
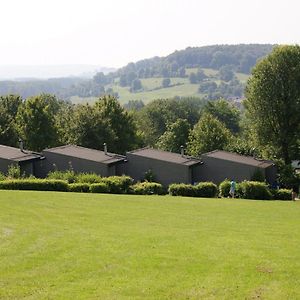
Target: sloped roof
point(234, 157)
point(15, 154)
point(166, 156)
point(87, 153)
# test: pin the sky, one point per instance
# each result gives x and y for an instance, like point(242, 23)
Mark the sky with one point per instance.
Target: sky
point(113, 33)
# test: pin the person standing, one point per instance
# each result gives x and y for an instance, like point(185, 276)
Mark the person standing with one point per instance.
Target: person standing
point(232, 188)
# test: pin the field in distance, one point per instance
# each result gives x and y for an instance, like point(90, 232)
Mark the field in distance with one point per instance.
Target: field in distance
point(88, 246)
point(152, 88)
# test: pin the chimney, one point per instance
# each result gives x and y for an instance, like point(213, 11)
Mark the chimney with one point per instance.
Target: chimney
point(105, 148)
point(182, 150)
point(21, 145)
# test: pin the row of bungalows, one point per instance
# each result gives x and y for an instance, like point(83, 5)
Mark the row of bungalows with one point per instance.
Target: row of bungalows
point(167, 167)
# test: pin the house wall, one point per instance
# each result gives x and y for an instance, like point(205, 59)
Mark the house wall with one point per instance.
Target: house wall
point(54, 161)
point(164, 172)
point(216, 170)
point(4, 163)
point(271, 174)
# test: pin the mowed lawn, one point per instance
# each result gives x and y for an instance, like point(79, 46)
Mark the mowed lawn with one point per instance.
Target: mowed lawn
point(87, 246)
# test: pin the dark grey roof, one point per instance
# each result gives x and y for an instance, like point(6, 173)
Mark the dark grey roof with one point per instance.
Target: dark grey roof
point(15, 154)
point(234, 157)
point(166, 156)
point(87, 153)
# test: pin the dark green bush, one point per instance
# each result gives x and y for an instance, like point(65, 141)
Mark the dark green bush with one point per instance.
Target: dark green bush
point(79, 187)
point(148, 188)
point(118, 184)
point(281, 194)
point(2, 176)
point(224, 188)
point(253, 190)
point(34, 185)
point(206, 190)
point(88, 178)
point(181, 189)
point(99, 188)
point(68, 175)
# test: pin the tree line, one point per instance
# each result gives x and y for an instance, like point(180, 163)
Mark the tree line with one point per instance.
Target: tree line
point(269, 127)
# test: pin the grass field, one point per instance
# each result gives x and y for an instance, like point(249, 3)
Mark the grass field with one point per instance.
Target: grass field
point(152, 88)
point(87, 246)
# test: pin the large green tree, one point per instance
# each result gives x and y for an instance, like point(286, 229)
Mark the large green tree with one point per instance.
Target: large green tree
point(104, 122)
point(176, 135)
point(273, 102)
point(225, 112)
point(36, 122)
point(207, 135)
point(9, 106)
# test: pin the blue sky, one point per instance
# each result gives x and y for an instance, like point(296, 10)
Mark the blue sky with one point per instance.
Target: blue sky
point(114, 32)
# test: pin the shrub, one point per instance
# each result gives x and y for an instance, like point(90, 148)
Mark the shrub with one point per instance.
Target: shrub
point(206, 190)
point(88, 178)
point(148, 188)
point(118, 184)
point(2, 176)
point(34, 185)
point(14, 171)
point(99, 188)
point(79, 187)
point(253, 190)
point(181, 189)
point(68, 176)
point(281, 194)
point(224, 188)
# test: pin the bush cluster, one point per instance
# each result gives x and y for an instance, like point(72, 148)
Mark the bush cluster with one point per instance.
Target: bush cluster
point(148, 188)
point(202, 189)
point(281, 194)
point(253, 190)
point(93, 183)
point(34, 185)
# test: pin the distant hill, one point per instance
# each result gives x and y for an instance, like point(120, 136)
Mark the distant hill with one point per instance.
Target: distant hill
point(210, 72)
point(28, 72)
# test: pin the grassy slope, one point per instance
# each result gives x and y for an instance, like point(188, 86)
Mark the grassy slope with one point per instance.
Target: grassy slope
point(184, 90)
point(83, 246)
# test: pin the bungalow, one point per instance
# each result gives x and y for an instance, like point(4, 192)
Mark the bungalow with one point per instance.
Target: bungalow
point(219, 165)
point(82, 159)
point(27, 160)
point(167, 167)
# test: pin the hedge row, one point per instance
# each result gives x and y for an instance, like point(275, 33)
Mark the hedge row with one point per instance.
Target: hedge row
point(202, 189)
point(34, 185)
point(124, 185)
point(254, 190)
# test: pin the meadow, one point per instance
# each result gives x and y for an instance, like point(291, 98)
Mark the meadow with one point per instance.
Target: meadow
point(152, 88)
point(56, 245)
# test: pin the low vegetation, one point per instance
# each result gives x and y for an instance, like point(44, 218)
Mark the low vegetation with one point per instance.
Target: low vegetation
point(91, 182)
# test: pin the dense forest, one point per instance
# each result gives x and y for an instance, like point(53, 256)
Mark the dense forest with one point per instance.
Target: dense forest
point(226, 60)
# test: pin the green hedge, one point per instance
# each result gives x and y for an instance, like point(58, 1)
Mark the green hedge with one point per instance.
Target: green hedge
point(88, 178)
point(99, 188)
point(253, 190)
point(68, 176)
point(202, 189)
point(34, 185)
point(148, 188)
point(206, 190)
point(79, 187)
point(181, 189)
point(224, 188)
point(281, 194)
point(118, 184)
